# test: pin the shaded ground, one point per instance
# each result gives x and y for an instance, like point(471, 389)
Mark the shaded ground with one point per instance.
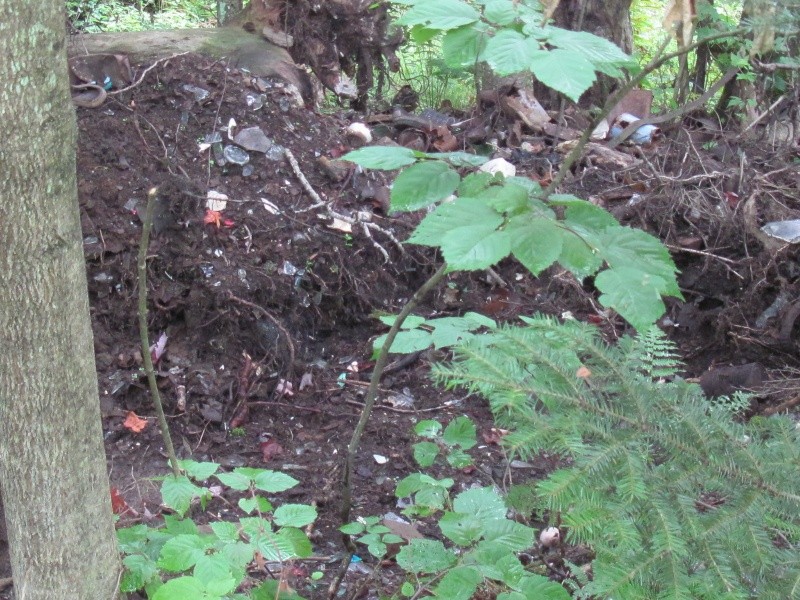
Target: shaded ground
point(268, 291)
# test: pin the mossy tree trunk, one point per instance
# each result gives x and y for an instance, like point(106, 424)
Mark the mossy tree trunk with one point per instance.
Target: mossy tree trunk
point(52, 461)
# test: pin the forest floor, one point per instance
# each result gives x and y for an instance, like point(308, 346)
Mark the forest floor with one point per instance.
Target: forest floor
point(269, 289)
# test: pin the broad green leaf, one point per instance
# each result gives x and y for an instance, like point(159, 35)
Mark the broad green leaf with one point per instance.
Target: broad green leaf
point(407, 589)
point(513, 596)
point(579, 253)
point(297, 540)
point(405, 342)
point(510, 52)
point(178, 493)
point(461, 213)
point(463, 529)
point(410, 322)
point(411, 484)
point(479, 320)
point(588, 215)
point(234, 480)
point(198, 470)
point(500, 12)
point(506, 198)
point(425, 556)
point(421, 34)
point(139, 570)
point(515, 536)
point(271, 590)
point(483, 503)
point(538, 587)
point(354, 528)
point(273, 482)
point(636, 249)
point(511, 570)
point(174, 526)
point(216, 572)
point(225, 531)
point(423, 184)
point(428, 428)
point(182, 552)
point(475, 247)
point(458, 459)
point(442, 14)
point(386, 158)
point(182, 588)
point(535, 242)
point(603, 54)
point(425, 453)
point(532, 187)
point(131, 539)
point(635, 295)
point(273, 547)
point(294, 515)
point(456, 159)
point(565, 71)
point(431, 497)
point(463, 47)
point(474, 183)
point(377, 548)
point(460, 432)
point(458, 584)
point(445, 336)
point(248, 505)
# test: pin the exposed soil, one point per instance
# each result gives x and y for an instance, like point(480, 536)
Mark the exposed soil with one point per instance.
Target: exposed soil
point(268, 292)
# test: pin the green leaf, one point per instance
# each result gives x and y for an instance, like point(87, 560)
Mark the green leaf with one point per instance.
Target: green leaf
point(579, 253)
point(462, 47)
point(377, 548)
point(428, 428)
point(139, 570)
point(354, 528)
point(421, 35)
point(514, 536)
point(484, 503)
point(259, 503)
point(385, 158)
point(406, 342)
point(538, 587)
point(535, 242)
point(458, 584)
point(294, 515)
point(178, 493)
point(298, 541)
point(181, 552)
point(636, 296)
point(510, 52)
point(478, 320)
point(463, 529)
point(500, 12)
point(273, 482)
point(474, 183)
point(425, 556)
point(216, 572)
point(455, 159)
point(459, 459)
point(407, 589)
point(603, 54)
point(235, 481)
point(270, 590)
point(636, 249)
point(425, 453)
point(460, 432)
point(462, 213)
point(580, 212)
point(410, 322)
point(475, 247)
point(225, 531)
point(506, 198)
point(198, 470)
point(422, 185)
point(182, 588)
point(565, 71)
point(442, 14)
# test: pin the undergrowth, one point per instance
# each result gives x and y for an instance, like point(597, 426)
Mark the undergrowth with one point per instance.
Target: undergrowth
point(676, 498)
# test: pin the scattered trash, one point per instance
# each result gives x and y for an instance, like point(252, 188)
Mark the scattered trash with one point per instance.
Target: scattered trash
point(499, 165)
point(199, 93)
point(216, 201)
point(236, 155)
point(255, 101)
point(787, 231)
point(270, 207)
point(157, 350)
point(284, 388)
point(253, 139)
point(404, 399)
point(340, 225)
point(353, 367)
point(550, 537)
point(381, 460)
point(341, 380)
point(275, 152)
point(307, 380)
point(645, 134)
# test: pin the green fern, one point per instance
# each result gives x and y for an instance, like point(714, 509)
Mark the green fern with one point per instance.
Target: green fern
point(675, 497)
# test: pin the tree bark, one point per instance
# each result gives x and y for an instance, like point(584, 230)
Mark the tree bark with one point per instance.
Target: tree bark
point(52, 462)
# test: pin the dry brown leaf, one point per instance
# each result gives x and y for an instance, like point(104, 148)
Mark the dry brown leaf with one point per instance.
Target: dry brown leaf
point(134, 423)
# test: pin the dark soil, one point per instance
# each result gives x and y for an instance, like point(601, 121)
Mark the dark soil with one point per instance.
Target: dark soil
point(269, 292)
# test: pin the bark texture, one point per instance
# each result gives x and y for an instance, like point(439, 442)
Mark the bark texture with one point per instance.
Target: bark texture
point(52, 462)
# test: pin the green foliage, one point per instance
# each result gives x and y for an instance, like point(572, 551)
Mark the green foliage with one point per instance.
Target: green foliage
point(457, 438)
point(211, 563)
point(492, 218)
point(509, 37)
point(371, 533)
point(418, 333)
point(93, 16)
point(676, 498)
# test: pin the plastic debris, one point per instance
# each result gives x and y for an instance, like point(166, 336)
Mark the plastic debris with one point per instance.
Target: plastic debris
point(499, 165)
point(253, 139)
point(255, 101)
point(199, 93)
point(787, 231)
point(381, 460)
point(643, 135)
point(216, 201)
point(236, 155)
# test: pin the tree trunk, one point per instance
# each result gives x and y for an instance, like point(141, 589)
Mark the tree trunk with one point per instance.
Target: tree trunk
point(52, 462)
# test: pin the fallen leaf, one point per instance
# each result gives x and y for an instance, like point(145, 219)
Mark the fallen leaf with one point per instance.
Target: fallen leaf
point(270, 449)
point(118, 504)
point(213, 217)
point(134, 423)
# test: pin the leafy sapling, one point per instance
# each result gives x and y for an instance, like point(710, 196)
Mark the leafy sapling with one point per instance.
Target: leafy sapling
point(373, 534)
point(457, 438)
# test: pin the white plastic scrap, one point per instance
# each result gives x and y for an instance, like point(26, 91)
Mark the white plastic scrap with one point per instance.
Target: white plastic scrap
point(216, 201)
point(499, 165)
